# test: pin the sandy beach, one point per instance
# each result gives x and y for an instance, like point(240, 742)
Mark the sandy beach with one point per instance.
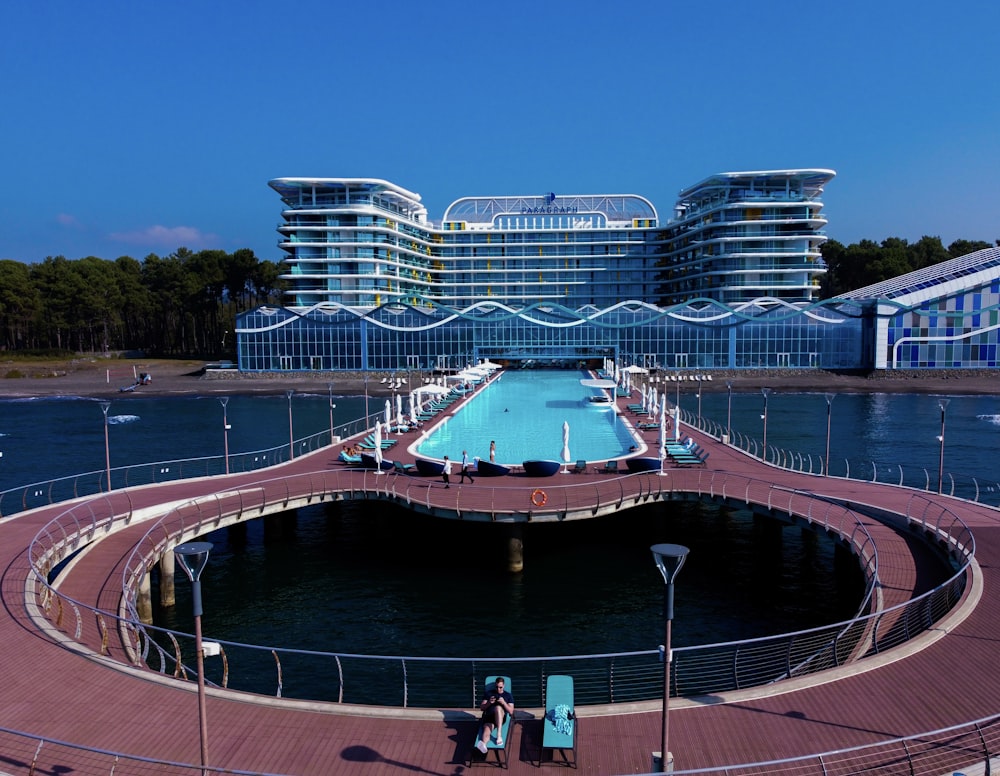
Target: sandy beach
point(90, 378)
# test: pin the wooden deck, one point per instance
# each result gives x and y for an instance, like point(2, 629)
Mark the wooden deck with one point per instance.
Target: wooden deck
point(51, 689)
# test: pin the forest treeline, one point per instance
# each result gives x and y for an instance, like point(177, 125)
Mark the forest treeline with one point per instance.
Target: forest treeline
point(863, 263)
point(185, 304)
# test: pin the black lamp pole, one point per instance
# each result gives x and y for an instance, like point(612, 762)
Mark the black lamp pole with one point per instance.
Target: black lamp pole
point(829, 412)
point(105, 406)
point(669, 558)
point(224, 400)
point(766, 392)
point(942, 403)
point(193, 557)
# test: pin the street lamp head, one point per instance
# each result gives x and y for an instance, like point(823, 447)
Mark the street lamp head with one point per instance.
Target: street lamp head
point(829, 398)
point(223, 400)
point(193, 557)
point(289, 394)
point(105, 405)
point(942, 403)
point(669, 558)
point(766, 392)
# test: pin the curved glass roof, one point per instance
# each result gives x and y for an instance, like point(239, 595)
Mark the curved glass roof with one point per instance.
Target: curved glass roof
point(619, 208)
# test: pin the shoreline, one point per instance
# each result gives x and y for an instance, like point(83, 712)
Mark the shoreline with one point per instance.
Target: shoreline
point(173, 378)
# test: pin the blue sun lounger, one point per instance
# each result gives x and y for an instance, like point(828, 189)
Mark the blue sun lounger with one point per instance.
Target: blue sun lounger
point(500, 752)
point(559, 727)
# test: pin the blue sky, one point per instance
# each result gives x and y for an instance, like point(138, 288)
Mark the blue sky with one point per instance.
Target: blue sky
point(134, 128)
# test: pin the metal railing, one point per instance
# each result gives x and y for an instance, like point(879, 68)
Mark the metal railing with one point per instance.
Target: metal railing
point(601, 678)
point(34, 754)
point(451, 682)
point(63, 489)
point(973, 747)
point(976, 489)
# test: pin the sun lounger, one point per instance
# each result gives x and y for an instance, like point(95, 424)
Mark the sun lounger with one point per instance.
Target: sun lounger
point(559, 727)
point(402, 468)
point(500, 752)
point(580, 468)
point(610, 467)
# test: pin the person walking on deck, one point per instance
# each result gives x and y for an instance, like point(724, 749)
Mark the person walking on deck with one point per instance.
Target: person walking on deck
point(465, 469)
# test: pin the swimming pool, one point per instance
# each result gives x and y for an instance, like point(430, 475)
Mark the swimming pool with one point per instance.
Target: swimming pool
point(523, 412)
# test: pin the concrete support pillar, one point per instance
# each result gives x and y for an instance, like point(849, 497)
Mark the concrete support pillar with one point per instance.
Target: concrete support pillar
point(515, 549)
point(167, 579)
point(144, 600)
point(237, 535)
point(281, 525)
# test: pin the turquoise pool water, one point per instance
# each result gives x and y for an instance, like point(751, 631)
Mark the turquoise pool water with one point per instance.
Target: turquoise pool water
point(524, 412)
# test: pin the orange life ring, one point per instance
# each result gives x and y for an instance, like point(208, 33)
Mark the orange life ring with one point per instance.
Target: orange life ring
point(538, 497)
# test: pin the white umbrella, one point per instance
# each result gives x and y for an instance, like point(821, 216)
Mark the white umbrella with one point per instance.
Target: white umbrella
point(663, 433)
point(400, 420)
point(654, 405)
point(388, 415)
point(413, 408)
point(565, 451)
point(378, 447)
point(636, 370)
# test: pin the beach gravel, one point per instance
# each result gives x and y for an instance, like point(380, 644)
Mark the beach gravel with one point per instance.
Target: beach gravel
point(89, 377)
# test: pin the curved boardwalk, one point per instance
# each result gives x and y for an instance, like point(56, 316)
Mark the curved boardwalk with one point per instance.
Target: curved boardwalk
point(49, 688)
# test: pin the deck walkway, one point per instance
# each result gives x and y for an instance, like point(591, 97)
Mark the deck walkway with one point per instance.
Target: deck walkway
point(51, 689)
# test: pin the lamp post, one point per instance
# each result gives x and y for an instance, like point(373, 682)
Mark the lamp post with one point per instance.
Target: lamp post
point(224, 400)
point(329, 388)
point(729, 410)
point(700, 378)
point(291, 437)
point(366, 399)
point(766, 392)
point(942, 403)
point(669, 558)
point(829, 410)
point(105, 406)
point(193, 557)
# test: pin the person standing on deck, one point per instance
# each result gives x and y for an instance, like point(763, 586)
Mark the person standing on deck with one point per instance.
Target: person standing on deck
point(446, 472)
point(493, 451)
point(465, 469)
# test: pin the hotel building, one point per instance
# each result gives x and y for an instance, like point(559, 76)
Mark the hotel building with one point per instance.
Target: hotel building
point(729, 282)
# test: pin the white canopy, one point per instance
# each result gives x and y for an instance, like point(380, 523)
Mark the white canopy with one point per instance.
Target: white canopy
point(430, 388)
point(635, 370)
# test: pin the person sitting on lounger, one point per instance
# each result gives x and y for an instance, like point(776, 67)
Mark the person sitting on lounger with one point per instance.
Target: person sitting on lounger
point(497, 704)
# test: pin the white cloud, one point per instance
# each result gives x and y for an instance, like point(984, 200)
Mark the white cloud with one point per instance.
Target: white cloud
point(65, 219)
point(169, 237)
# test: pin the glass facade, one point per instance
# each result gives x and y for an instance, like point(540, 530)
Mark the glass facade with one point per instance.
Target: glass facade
point(683, 337)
